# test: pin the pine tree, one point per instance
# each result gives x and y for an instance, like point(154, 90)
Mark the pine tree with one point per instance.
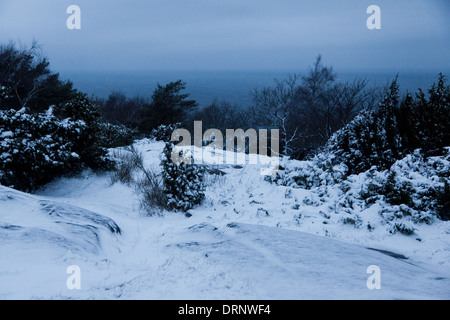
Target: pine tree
point(406, 117)
point(434, 117)
point(30, 83)
point(389, 144)
point(168, 106)
point(183, 182)
point(396, 129)
point(372, 138)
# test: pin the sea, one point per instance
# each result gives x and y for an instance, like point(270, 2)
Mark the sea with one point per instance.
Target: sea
point(232, 86)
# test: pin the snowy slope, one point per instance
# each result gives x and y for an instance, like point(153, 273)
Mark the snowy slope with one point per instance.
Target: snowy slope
point(249, 240)
point(36, 234)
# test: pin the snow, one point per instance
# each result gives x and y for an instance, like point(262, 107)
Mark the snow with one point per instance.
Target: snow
point(250, 239)
point(6, 134)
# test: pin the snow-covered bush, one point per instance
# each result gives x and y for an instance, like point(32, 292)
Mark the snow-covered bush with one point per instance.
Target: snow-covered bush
point(88, 142)
point(319, 171)
point(371, 139)
point(413, 191)
point(413, 186)
point(35, 148)
point(164, 132)
point(354, 145)
point(113, 136)
point(183, 182)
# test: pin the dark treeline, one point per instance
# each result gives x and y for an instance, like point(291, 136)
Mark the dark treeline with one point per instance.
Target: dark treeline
point(396, 128)
point(306, 109)
point(310, 111)
point(365, 125)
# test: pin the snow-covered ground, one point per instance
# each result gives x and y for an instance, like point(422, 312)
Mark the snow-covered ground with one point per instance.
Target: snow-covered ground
point(249, 240)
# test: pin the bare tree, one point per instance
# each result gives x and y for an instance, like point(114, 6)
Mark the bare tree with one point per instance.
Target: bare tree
point(276, 106)
point(309, 109)
point(222, 115)
point(316, 112)
point(119, 109)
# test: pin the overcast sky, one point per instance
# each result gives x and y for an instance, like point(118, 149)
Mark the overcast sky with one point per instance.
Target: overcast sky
point(233, 34)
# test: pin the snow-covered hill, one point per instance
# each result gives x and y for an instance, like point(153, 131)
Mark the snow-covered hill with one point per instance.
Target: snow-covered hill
point(250, 239)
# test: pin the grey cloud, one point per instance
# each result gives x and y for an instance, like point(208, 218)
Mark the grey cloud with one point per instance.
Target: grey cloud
point(232, 34)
